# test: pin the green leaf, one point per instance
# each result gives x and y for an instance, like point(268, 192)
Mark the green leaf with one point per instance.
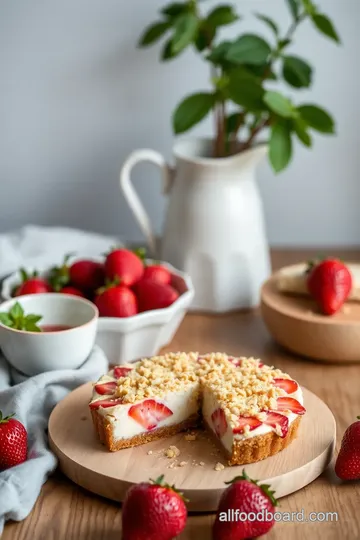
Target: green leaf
point(297, 72)
point(6, 319)
point(283, 43)
point(249, 49)
point(167, 53)
point(279, 104)
point(294, 8)
point(317, 118)
point(300, 129)
point(32, 318)
point(325, 26)
point(245, 90)
point(218, 54)
point(232, 122)
point(192, 110)
point(31, 327)
point(186, 28)
point(206, 34)
point(309, 7)
point(16, 311)
point(222, 15)
point(269, 22)
point(175, 9)
point(264, 71)
point(153, 33)
point(280, 148)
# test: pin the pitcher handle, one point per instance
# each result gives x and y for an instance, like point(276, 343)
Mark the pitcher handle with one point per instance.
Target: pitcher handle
point(132, 197)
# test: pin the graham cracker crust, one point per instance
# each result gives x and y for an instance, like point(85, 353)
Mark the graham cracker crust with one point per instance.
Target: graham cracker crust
point(261, 447)
point(104, 432)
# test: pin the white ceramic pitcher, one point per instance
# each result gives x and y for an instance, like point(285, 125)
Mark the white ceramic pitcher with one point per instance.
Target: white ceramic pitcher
point(214, 228)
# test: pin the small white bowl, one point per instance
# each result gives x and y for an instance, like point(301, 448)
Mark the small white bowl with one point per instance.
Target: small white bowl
point(36, 352)
point(124, 340)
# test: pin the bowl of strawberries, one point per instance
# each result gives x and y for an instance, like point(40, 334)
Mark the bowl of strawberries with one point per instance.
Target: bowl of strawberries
point(141, 302)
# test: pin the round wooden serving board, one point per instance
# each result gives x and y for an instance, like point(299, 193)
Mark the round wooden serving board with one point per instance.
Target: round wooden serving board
point(295, 323)
point(85, 461)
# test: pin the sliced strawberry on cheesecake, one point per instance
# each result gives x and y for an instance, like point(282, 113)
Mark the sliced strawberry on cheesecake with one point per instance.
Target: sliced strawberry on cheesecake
point(121, 371)
point(279, 422)
point(244, 422)
point(149, 413)
point(288, 385)
point(107, 388)
point(290, 404)
point(219, 422)
point(105, 403)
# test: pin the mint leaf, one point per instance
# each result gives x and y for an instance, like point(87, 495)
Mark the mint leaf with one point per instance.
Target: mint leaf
point(16, 311)
point(6, 319)
point(32, 318)
point(31, 327)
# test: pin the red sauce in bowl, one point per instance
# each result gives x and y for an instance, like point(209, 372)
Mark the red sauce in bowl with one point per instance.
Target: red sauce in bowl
point(55, 327)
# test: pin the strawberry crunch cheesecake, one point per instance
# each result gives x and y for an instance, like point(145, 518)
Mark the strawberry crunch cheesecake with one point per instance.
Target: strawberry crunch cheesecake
point(252, 409)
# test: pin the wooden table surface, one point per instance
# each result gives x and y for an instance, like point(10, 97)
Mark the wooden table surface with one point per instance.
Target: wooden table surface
point(66, 512)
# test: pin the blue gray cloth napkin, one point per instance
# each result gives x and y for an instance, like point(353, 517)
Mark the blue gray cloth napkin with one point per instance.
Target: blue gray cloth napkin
point(32, 400)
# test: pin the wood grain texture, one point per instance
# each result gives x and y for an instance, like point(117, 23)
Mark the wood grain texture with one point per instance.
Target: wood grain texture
point(67, 512)
point(110, 474)
point(295, 323)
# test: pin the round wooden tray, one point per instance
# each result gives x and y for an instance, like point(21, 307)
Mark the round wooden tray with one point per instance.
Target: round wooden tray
point(85, 461)
point(295, 323)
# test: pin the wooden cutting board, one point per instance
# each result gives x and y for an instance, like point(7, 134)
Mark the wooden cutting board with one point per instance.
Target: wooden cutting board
point(295, 323)
point(87, 463)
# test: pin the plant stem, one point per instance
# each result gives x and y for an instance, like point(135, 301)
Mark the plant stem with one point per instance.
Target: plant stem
point(254, 133)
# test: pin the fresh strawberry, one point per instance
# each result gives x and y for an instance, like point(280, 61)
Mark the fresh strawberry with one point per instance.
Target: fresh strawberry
point(158, 273)
point(121, 371)
point(149, 413)
point(153, 511)
point(288, 385)
point(13, 442)
point(277, 421)
point(219, 422)
point(73, 291)
point(107, 388)
point(290, 404)
point(244, 497)
point(116, 301)
point(124, 265)
point(244, 421)
point(329, 283)
point(87, 275)
point(105, 403)
point(32, 284)
point(347, 465)
point(153, 295)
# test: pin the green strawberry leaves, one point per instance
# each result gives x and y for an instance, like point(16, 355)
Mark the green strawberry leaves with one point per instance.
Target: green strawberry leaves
point(15, 318)
point(160, 482)
point(5, 419)
point(59, 276)
point(266, 488)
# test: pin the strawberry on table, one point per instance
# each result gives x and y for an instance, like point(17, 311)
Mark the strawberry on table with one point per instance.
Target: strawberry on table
point(153, 511)
point(13, 442)
point(157, 273)
point(149, 413)
point(116, 301)
point(347, 465)
point(246, 497)
point(124, 265)
point(152, 295)
point(329, 283)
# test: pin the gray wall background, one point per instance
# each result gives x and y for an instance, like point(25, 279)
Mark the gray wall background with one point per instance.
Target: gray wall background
point(76, 97)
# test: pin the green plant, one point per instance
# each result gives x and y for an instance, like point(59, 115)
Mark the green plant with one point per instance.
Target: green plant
point(244, 72)
point(16, 318)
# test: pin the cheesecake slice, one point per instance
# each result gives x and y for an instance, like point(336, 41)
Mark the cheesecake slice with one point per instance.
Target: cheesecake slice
point(253, 410)
point(292, 280)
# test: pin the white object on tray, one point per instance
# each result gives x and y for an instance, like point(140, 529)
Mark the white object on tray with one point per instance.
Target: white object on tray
point(124, 340)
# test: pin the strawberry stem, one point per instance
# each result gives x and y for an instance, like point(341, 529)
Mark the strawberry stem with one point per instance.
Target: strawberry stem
point(264, 487)
point(5, 419)
point(358, 417)
point(160, 482)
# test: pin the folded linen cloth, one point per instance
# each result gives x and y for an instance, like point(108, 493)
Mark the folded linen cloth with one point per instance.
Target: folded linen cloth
point(32, 400)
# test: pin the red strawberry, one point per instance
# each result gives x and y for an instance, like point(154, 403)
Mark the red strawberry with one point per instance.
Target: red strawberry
point(244, 497)
point(290, 404)
point(105, 403)
point(88, 275)
point(32, 284)
point(288, 385)
point(244, 421)
point(153, 295)
point(149, 413)
point(261, 365)
point(13, 442)
point(276, 420)
point(158, 273)
point(219, 422)
point(124, 265)
point(329, 283)
point(73, 291)
point(117, 301)
point(120, 371)
point(347, 465)
point(153, 511)
point(107, 388)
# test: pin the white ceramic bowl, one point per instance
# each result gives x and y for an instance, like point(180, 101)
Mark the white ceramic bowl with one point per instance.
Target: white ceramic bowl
point(124, 340)
point(36, 352)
